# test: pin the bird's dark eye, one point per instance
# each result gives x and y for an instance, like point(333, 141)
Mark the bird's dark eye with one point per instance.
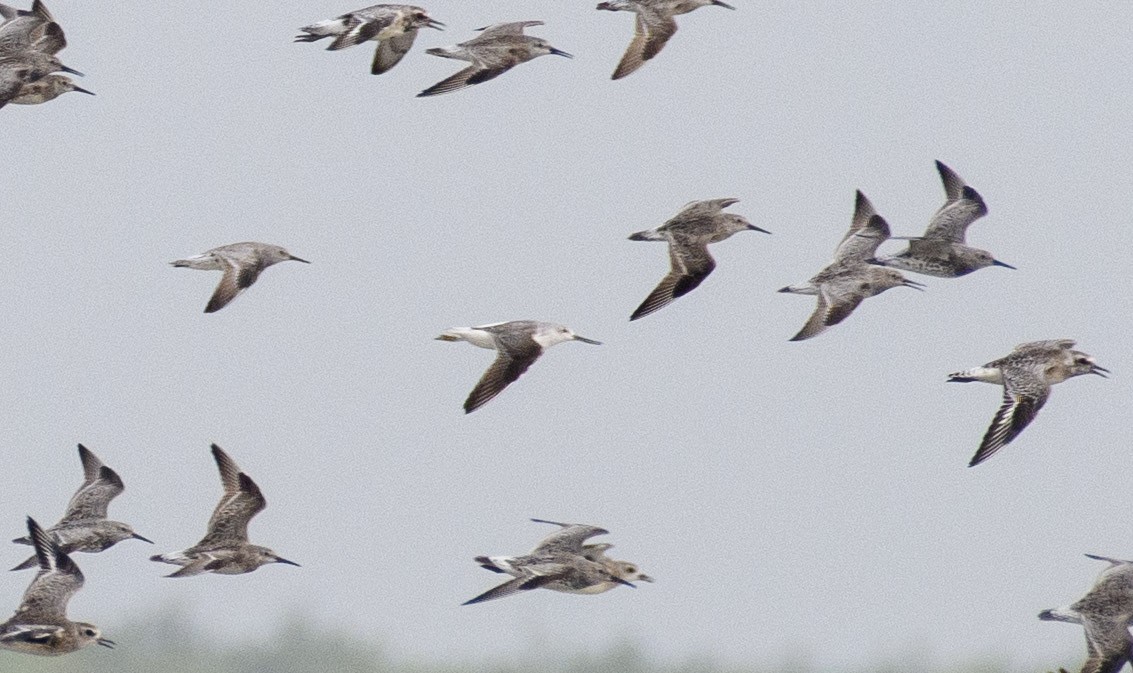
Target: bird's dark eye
point(631, 569)
point(89, 632)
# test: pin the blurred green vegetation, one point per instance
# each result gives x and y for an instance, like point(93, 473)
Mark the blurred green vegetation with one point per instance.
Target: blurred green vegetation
point(168, 642)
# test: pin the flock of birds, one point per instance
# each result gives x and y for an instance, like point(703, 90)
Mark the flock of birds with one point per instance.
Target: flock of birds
point(562, 561)
point(30, 40)
point(855, 274)
point(499, 47)
point(41, 626)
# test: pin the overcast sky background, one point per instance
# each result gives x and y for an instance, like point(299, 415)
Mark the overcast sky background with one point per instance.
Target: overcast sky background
point(792, 499)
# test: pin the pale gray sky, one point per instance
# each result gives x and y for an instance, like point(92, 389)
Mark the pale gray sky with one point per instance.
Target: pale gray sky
point(788, 497)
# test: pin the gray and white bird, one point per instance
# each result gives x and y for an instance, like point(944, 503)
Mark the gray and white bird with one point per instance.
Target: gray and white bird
point(942, 250)
point(46, 89)
point(560, 562)
point(29, 42)
point(84, 527)
point(18, 69)
point(497, 49)
point(393, 27)
point(689, 234)
point(653, 26)
point(848, 280)
point(518, 344)
point(40, 625)
point(225, 549)
point(30, 30)
point(1026, 374)
point(1105, 613)
point(241, 264)
point(596, 552)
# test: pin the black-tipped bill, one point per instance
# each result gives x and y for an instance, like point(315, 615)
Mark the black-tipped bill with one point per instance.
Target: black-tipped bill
point(644, 578)
point(71, 70)
point(722, 4)
point(143, 539)
point(628, 584)
point(435, 24)
point(755, 228)
point(996, 262)
point(587, 341)
point(560, 52)
point(279, 559)
point(914, 284)
point(1100, 371)
point(298, 259)
point(106, 642)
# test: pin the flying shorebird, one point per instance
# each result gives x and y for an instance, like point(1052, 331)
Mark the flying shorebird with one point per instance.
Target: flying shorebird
point(560, 562)
point(848, 281)
point(18, 69)
point(499, 48)
point(84, 527)
point(40, 625)
point(518, 344)
point(595, 552)
point(393, 27)
point(653, 27)
point(46, 89)
point(689, 233)
point(225, 548)
point(941, 251)
point(241, 264)
point(1026, 374)
point(1105, 613)
point(29, 40)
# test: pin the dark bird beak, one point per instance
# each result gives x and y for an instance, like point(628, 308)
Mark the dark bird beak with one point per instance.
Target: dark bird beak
point(279, 559)
point(1100, 371)
point(645, 578)
point(435, 24)
point(298, 259)
point(143, 539)
point(560, 52)
point(755, 228)
point(722, 4)
point(587, 341)
point(784, 289)
point(106, 642)
point(621, 581)
point(996, 262)
point(604, 5)
point(914, 284)
point(82, 90)
point(72, 71)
